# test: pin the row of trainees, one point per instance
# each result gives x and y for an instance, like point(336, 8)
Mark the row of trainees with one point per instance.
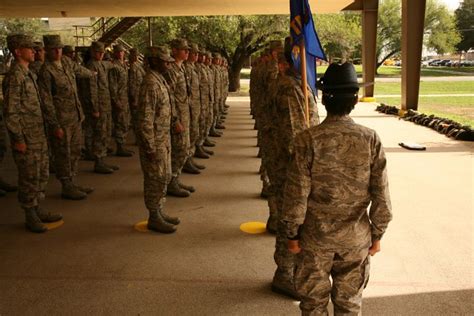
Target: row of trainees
point(319, 179)
point(173, 105)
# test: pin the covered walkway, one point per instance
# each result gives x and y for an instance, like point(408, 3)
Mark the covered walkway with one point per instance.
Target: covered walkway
point(96, 263)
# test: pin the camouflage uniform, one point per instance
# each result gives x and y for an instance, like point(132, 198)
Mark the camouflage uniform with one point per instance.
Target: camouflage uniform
point(337, 170)
point(192, 77)
point(211, 78)
point(58, 90)
point(204, 94)
point(101, 103)
point(118, 84)
point(288, 116)
point(136, 73)
point(24, 122)
point(153, 135)
point(35, 67)
point(180, 142)
point(217, 88)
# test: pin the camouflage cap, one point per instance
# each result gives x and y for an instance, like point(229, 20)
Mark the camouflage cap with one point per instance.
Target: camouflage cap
point(68, 49)
point(216, 55)
point(98, 47)
point(133, 51)
point(52, 41)
point(276, 44)
point(194, 48)
point(161, 52)
point(38, 46)
point(180, 43)
point(15, 41)
point(118, 48)
point(209, 55)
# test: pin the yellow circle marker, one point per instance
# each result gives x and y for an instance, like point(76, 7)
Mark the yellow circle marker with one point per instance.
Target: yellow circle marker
point(367, 99)
point(402, 113)
point(142, 227)
point(253, 227)
point(54, 225)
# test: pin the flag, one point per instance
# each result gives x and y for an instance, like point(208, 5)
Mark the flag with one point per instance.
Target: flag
point(302, 27)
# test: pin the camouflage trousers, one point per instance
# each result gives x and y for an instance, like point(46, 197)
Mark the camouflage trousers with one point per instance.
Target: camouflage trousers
point(349, 270)
point(156, 175)
point(33, 174)
point(195, 111)
point(203, 119)
point(88, 131)
point(121, 120)
point(67, 151)
point(102, 134)
point(179, 151)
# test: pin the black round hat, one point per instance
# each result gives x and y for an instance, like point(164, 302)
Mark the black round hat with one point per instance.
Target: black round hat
point(340, 76)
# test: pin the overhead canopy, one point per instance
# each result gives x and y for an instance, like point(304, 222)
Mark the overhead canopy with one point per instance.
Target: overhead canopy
point(105, 8)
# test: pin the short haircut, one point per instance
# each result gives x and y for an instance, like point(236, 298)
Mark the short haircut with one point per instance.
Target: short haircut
point(341, 101)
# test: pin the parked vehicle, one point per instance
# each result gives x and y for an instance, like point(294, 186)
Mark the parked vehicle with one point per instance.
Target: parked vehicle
point(434, 62)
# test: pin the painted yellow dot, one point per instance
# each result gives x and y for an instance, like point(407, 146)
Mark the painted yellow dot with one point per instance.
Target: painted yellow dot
point(142, 227)
point(367, 99)
point(253, 227)
point(54, 225)
point(402, 113)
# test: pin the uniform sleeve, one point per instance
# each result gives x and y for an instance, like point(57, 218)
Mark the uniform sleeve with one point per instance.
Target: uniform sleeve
point(298, 185)
point(11, 110)
point(380, 212)
point(81, 71)
point(45, 86)
point(132, 86)
point(145, 117)
point(313, 109)
point(93, 88)
point(113, 87)
point(3, 137)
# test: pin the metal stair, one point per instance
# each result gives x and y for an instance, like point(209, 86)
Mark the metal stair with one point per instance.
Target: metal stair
point(112, 29)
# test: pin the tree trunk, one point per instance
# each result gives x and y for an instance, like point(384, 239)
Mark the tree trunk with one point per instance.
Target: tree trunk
point(238, 61)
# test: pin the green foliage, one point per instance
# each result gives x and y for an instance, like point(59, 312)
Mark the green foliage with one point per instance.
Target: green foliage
point(340, 34)
point(33, 27)
point(440, 31)
point(465, 25)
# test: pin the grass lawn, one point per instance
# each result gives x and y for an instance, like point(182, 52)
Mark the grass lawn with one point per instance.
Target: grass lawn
point(458, 108)
point(392, 71)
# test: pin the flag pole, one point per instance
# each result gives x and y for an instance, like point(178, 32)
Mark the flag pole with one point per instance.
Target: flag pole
point(304, 80)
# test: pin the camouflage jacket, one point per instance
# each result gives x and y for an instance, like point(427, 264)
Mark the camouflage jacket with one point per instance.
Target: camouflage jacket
point(118, 85)
point(58, 90)
point(210, 78)
point(204, 86)
point(338, 168)
point(288, 111)
point(176, 78)
point(217, 88)
point(136, 73)
point(154, 113)
point(192, 77)
point(35, 67)
point(100, 92)
point(22, 106)
point(3, 137)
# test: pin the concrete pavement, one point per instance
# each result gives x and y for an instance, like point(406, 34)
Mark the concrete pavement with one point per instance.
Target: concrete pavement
point(98, 264)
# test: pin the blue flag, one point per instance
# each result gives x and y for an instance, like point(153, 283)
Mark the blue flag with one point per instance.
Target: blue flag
point(302, 27)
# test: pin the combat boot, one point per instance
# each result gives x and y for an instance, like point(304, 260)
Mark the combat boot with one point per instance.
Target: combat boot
point(190, 168)
point(85, 189)
point(214, 133)
point(113, 167)
point(175, 189)
point(122, 152)
point(157, 223)
point(189, 188)
point(220, 126)
point(32, 221)
point(7, 187)
point(169, 219)
point(200, 153)
point(283, 284)
point(47, 217)
point(197, 165)
point(209, 143)
point(101, 168)
point(70, 192)
point(2, 193)
point(207, 151)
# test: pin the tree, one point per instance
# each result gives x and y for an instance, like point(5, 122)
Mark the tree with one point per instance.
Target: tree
point(465, 25)
point(236, 38)
point(340, 34)
point(439, 29)
point(33, 27)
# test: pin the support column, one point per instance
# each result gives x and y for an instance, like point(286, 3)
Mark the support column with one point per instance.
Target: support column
point(150, 35)
point(369, 44)
point(413, 20)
